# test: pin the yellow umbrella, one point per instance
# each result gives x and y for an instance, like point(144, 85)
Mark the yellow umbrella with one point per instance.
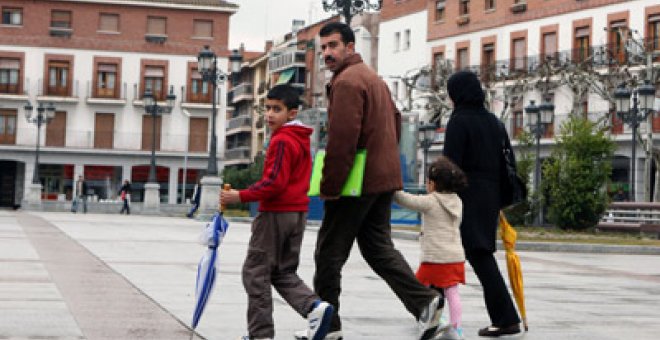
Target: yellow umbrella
point(513, 266)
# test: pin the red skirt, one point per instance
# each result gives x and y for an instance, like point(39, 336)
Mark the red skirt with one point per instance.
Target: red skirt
point(441, 275)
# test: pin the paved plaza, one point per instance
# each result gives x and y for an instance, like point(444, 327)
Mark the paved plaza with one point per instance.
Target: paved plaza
point(93, 276)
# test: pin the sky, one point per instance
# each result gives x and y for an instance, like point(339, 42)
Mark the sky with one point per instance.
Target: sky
point(259, 20)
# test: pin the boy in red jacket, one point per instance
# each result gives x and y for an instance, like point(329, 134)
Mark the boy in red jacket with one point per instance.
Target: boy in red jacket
point(277, 231)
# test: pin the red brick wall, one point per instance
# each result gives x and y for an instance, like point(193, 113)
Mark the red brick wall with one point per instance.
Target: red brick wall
point(132, 27)
point(502, 15)
point(393, 9)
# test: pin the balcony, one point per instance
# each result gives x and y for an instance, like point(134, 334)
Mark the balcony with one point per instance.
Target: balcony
point(286, 59)
point(463, 19)
point(65, 94)
point(197, 102)
point(519, 7)
point(238, 124)
point(100, 98)
point(238, 154)
point(243, 91)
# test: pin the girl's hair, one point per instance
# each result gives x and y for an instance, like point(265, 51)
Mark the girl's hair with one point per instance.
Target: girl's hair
point(447, 175)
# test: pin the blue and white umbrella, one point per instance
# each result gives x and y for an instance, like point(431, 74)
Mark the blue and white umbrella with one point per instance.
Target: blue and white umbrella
point(206, 269)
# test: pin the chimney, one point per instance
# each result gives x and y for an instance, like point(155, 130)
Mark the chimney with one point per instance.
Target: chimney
point(269, 46)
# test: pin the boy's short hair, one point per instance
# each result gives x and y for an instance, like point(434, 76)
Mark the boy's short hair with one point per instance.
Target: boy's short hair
point(288, 94)
point(446, 175)
point(346, 32)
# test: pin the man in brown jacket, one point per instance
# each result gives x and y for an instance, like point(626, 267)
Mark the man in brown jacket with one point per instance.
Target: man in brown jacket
point(362, 115)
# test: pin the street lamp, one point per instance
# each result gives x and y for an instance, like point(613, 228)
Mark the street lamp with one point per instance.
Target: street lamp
point(351, 8)
point(643, 98)
point(207, 65)
point(426, 137)
point(538, 118)
point(152, 107)
point(44, 115)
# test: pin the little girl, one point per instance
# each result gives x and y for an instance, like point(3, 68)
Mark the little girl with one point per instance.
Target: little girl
point(442, 259)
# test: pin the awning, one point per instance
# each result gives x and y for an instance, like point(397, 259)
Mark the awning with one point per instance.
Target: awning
point(285, 76)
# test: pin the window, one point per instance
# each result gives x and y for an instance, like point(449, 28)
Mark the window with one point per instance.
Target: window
point(406, 39)
point(549, 47)
point(440, 10)
point(198, 130)
point(203, 29)
point(617, 123)
point(654, 32)
point(397, 41)
point(12, 16)
point(199, 89)
point(60, 19)
point(518, 55)
point(487, 59)
point(615, 42)
point(157, 26)
point(104, 130)
point(582, 44)
point(153, 81)
point(438, 68)
point(10, 71)
point(464, 7)
point(56, 130)
point(518, 121)
point(7, 126)
point(58, 78)
point(490, 5)
point(108, 22)
point(462, 58)
point(106, 81)
point(395, 90)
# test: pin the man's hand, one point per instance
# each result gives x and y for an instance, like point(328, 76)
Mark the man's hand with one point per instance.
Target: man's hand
point(229, 197)
point(328, 198)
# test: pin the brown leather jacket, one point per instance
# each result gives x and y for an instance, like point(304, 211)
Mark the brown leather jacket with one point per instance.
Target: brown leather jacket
point(361, 115)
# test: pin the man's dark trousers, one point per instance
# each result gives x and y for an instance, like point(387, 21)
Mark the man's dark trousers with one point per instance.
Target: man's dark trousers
point(366, 219)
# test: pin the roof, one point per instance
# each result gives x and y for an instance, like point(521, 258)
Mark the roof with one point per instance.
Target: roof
point(211, 3)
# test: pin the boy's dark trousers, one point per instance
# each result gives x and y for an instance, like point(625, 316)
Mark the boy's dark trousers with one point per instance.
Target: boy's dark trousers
point(272, 259)
point(366, 219)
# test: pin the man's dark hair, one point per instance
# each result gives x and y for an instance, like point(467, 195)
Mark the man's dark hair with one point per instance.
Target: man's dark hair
point(288, 94)
point(347, 35)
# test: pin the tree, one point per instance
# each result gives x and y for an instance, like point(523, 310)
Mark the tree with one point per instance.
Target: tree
point(243, 178)
point(575, 176)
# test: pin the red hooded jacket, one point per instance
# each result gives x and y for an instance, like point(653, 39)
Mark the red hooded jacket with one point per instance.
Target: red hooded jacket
point(288, 166)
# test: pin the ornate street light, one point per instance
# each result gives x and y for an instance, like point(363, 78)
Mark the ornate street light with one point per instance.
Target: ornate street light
point(207, 65)
point(643, 98)
point(538, 118)
point(43, 116)
point(351, 8)
point(152, 107)
point(426, 137)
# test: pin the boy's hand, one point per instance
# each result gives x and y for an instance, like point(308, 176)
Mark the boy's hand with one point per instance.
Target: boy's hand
point(229, 197)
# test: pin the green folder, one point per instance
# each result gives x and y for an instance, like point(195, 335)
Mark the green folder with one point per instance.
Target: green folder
point(353, 185)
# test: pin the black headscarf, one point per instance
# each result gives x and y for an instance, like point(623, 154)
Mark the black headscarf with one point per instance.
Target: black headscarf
point(465, 90)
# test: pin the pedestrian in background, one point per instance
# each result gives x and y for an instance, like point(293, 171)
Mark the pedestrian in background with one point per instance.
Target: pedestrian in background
point(125, 195)
point(197, 196)
point(442, 260)
point(277, 231)
point(81, 196)
point(362, 115)
point(473, 140)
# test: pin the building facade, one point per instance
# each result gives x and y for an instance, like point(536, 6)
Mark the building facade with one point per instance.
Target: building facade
point(94, 60)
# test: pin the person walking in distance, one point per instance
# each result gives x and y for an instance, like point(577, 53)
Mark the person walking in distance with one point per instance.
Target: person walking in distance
point(81, 193)
point(277, 231)
point(125, 194)
point(362, 115)
point(197, 197)
point(442, 259)
point(473, 140)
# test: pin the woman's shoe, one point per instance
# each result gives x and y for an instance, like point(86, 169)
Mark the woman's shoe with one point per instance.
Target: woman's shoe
point(494, 332)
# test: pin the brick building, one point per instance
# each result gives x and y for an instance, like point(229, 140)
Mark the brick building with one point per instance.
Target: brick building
point(93, 60)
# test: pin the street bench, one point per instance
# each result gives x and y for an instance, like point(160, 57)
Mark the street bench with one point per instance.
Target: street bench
point(632, 217)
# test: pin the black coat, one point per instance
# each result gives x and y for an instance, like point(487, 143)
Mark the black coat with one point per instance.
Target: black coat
point(473, 140)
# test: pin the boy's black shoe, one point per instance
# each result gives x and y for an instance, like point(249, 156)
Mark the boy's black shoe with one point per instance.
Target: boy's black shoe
point(494, 332)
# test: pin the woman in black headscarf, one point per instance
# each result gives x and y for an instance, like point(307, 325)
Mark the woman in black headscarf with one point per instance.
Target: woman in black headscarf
point(473, 140)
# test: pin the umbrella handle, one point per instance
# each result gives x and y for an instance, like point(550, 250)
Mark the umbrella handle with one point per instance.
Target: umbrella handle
point(226, 187)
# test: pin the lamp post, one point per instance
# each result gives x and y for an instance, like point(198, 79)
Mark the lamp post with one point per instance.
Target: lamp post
point(44, 115)
point(426, 136)
point(207, 65)
point(351, 8)
point(642, 99)
point(151, 106)
point(538, 118)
